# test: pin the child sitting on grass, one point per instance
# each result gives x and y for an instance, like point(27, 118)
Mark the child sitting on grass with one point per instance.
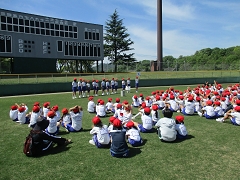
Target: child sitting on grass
point(119, 147)
point(133, 134)
point(100, 134)
point(180, 127)
point(166, 127)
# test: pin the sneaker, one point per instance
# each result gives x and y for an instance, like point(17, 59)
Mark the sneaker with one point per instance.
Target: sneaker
point(67, 142)
point(219, 120)
point(178, 111)
point(136, 91)
point(91, 142)
point(199, 113)
point(66, 130)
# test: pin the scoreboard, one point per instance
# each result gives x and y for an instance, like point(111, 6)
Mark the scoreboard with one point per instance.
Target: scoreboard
point(33, 36)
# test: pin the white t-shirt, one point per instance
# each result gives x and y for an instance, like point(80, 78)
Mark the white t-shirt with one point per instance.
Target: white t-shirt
point(13, 114)
point(155, 115)
point(76, 120)
point(34, 117)
point(133, 134)
point(74, 84)
point(219, 111)
point(102, 134)
point(22, 116)
point(147, 121)
point(109, 105)
point(126, 117)
point(209, 110)
point(173, 104)
point(52, 127)
point(91, 106)
point(135, 102)
point(223, 105)
point(197, 106)
point(189, 107)
point(181, 129)
point(101, 110)
point(67, 119)
point(58, 115)
point(45, 111)
point(167, 127)
point(236, 115)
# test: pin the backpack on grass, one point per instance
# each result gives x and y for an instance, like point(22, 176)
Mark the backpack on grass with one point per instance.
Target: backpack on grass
point(32, 145)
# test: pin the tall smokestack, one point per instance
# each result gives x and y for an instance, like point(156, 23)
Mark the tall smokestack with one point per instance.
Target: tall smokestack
point(159, 35)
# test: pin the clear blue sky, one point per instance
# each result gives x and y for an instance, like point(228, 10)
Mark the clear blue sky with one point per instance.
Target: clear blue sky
point(188, 25)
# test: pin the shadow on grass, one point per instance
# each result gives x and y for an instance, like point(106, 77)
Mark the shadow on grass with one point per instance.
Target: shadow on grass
point(133, 151)
point(189, 136)
point(56, 150)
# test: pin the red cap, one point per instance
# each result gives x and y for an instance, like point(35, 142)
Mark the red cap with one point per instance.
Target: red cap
point(181, 97)
point(157, 97)
point(135, 96)
point(129, 124)
point(112, 78)
point(111, 119)
point(46, 104)
point(217, 103)
point(119, 106)
point(136, 77)
point(36, 104)
point(190, 98)
point(128, 78)
point(147, 98)
point(143, 105)
point(128, 108)
point(75, 79)
point(14, 107)
point(35, 108)
point(117, 123)
point(141, 95)
point(21, 109)
point(101, 102)
point(172, 97)
point(198, 98)
point(109, 99)
point(64, 110)
point(179, 118)
point(237, 108)
point(122, 78)
point(90, 98)
point(125, 102)
point(97, 81)
point(223, 98)
point(117, 100)
point(215, 93)
point(238, 102)
point(55, 108)
point(154, 107)
point(96, 120)
point(51, 114)
point(147, 110)
point(209, 102)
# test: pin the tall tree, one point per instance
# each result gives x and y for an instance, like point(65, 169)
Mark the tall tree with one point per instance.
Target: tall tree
point(117, 42)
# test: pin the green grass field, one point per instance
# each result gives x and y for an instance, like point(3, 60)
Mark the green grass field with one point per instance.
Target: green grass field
point(210, 152)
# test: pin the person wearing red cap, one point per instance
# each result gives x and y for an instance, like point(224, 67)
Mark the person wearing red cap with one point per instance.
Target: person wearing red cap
point(208, 111)
point(88, 88)
point(23, 117)
point(110, 125)
point(233, 115)
point(198, 106)
point(109, 106)
point(80, 88)
point(180, 127)
point(148, 101)
point(46, 109)
point(101, 137)
point(74, 88)
point(136, 83)
point(101, 109)
point(119, 147)
point(160, 102)
point(57, 112)
point(133, 134)
point(127, 114)
point(141, 99)
point(13, 113)
point(218, 109)
point(66, 118)
point(155, 114)
point(189, 106)
point(84, 88)
point(166, 127)
point(53, 127)
point(94, 87)
point(91, 108)
point(34, 116)
point(117, 101)
point(76, 114)
point(135, 101)
point(172, 104)
point(147, 122)
point(118, 111)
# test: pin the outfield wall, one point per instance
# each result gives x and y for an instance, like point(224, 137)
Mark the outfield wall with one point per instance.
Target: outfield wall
point(23, 89)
